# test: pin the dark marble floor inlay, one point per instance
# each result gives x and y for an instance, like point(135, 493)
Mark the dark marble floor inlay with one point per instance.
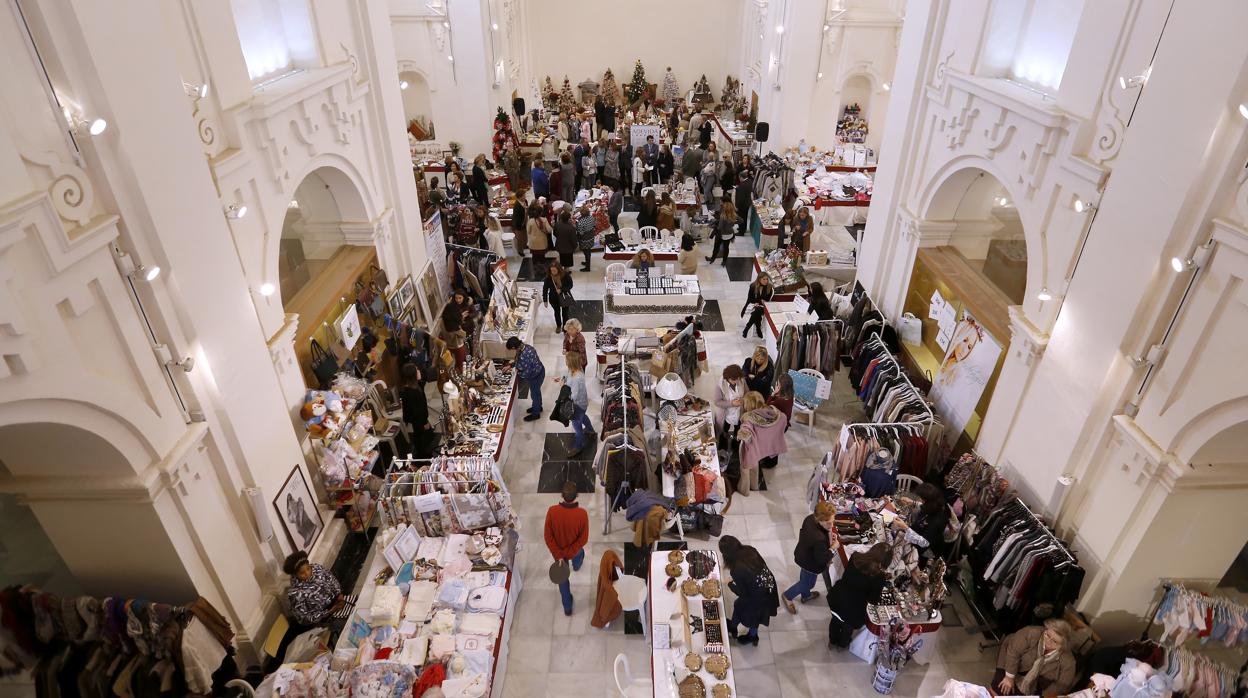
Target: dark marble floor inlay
point(588, 312)
point(558, 447)
point(740, 268)
point(554, 473)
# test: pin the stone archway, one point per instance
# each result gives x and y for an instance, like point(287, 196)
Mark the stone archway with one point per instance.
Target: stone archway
point(417, 102)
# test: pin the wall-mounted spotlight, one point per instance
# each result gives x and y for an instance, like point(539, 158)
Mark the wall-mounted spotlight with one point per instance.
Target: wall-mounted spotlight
point(195, 91)
point(1243, 109)
point(1002, 201)
point(779, 28)
point(1044, 294)
point(450, 58)
point(887, 86)
point(826, 27)
point(267, 289)
point(1082, 206)
point(235, 211)
point(819, 76)
point(494, 26)
point(125, 265)
point(447, 25)
point(186, 364)
point(402, 84)
point(1198, 259)
point(1130, 83)
point(82, 124)
point(147, 273)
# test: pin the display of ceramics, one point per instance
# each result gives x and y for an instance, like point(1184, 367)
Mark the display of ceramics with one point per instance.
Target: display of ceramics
point(693, 661)
point(692, 687)
point(721, 690)
point(676, 556)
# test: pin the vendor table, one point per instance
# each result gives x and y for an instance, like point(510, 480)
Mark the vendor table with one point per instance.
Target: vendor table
point(783, 281)
point(667, 665)
point(493, 342)
point(623, 306)
point(375, 563)
point(780, 311)
point(662, 252)
point(765, 225)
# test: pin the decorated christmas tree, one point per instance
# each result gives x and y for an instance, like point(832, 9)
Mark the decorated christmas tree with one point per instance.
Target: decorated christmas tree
point(504, 137)
point(610, 90)
point(567, 100)
point(670, 90)
point(637, 87)
point(549, 96)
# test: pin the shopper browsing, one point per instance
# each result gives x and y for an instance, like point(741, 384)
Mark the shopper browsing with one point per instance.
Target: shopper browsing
point(687, 258)
point(729, 396)
point(541, 182)
point(803, 224)
point(565, 236)
point(861, 584)
point(529, 369)
point(761, 291)
point(581, 426)
point(416, 409)
point(816, 543)
point(759, 371)
point(539, 231)
point(574, 340)
point(586, 234)
point(755, 586)
point(557, 292)
point(761, 436)
point(567, 532)
point(725, 231)
point(643, 261)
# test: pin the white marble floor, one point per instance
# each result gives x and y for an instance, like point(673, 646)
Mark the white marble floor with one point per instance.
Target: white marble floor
point(554, 655)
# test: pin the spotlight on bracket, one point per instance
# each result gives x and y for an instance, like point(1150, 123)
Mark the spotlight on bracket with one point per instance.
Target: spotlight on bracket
point(887, 86)
point(1082, 206)
point(267, 289)
point(195, 91)
point(1243, 109)
point(235, 211)
point(1044, 294)
point(1130, 83)
point(147, 273)
point(402, 84)
point(82, 124)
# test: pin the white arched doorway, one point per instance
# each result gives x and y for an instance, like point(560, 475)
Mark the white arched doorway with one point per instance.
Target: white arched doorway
point(417, 105)
point(325, 209)
point(52, 536)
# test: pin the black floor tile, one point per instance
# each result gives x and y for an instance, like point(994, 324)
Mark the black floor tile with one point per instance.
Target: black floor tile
point(632, 623)
point(712, 320)
point(350, 560)
point(558, 447)
point(588, 312)
point(526, 272)
point(636, 560)
point(740, 268)
point(555, 473)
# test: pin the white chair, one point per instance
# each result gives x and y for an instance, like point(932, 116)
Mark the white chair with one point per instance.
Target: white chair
point(628, 236)
point(905, 483)
point(648, 232)
point(665, 235)
point(633, 595)
point(809, 412)
point(628, 685)
point(615, 271)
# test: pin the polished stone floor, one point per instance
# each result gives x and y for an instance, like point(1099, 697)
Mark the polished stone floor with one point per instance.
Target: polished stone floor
point(554, 655)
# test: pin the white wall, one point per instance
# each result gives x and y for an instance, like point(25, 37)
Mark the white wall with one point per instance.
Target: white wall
point(582, 39)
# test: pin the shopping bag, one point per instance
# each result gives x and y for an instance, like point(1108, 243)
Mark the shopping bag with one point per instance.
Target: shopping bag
point(863, 645)
point(910, 329)
point(324, 364)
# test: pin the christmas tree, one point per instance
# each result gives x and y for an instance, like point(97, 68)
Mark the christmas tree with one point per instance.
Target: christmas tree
point(637, 87)
point(504, 137)
point(610, 90)
point(567, 100)
point(670, 91)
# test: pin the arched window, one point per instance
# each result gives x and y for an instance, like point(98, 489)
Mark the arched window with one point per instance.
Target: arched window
point(276, 35)
point(1029, 40)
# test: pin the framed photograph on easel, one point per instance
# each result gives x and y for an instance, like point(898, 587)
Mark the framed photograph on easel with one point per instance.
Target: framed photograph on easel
point(429, 285)
point(296, 506)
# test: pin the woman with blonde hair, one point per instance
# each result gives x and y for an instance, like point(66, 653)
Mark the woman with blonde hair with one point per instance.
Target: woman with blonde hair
point(761, 291)
point(759, 371)
point(643, 261)
point(725, 231)
point(816, 544)
point(760, 436)
point(581, 426)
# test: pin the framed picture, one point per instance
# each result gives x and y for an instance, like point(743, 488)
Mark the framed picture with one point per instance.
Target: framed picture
point(297, 508)
point(433, 295)
point(407, 291)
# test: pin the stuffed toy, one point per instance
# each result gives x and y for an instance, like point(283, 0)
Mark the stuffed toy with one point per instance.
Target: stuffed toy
point(321, 411)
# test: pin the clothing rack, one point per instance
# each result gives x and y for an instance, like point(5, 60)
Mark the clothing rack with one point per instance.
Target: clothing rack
point(476, 250)
point(876, 341)
point(606, 524)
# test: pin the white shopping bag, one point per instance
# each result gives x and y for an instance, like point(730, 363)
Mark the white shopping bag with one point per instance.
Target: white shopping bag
point(863, 645)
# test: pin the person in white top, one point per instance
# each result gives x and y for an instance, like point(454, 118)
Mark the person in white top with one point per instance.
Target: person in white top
point(639, 171)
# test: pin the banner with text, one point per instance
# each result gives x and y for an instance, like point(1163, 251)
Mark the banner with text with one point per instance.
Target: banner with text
point(960, 381)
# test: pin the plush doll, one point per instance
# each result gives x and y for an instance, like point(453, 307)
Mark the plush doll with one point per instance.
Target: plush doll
point(321, 411)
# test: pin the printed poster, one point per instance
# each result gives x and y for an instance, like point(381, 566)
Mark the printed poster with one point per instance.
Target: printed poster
point(960, 381)
point(637, 134)
point(435, 247)
point(349, 327)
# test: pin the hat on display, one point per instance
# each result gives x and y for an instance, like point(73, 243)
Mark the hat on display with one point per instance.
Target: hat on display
point(671, 387)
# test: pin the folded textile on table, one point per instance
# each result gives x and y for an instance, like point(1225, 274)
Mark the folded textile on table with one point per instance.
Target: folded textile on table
point(640, 501)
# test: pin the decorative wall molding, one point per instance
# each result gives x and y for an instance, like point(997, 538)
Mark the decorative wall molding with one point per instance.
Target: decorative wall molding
point(1027, 342)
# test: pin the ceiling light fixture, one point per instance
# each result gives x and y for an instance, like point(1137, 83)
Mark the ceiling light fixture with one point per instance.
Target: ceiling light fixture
point(235, 211)
point(450, 58)
point(402, 84)
point(826, 27)
point(267, 289)
point(1044, 294)
point(1003, 201)
point(1180, 265)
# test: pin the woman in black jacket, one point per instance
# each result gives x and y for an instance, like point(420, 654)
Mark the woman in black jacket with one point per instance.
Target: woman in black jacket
point(565, 237)
point(480, 184)
point(819, 303)
point(558, 282)
point(416, 410)
point(755, 587)
point(744, 194)
point(666, 165)
point(760, 371)
point(761, 291)
point(816, 543)
point(931, 518)
point(862, 583)
point(649, 213)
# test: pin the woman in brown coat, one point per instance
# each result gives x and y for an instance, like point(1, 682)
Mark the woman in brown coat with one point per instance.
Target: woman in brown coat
point(1036, 661)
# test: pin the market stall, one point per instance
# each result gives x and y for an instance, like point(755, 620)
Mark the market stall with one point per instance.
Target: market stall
point(512, 312)
point(689, 644)
point(640, 300)
point(691, 467)
point(662, 250)
point(784, 267)
point(478, 411)
point(765, 217)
